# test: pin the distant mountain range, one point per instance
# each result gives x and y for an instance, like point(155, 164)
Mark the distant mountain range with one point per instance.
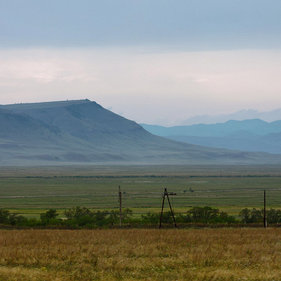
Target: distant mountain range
point(248, 135)
point(241, 115)
point(67, 132)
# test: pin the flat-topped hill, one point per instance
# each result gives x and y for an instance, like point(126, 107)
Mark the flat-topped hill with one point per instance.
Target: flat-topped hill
point(82, 131)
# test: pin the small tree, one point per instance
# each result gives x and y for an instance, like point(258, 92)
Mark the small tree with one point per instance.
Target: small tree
point(113, 217)
point(4, 216)
point(251, 216)
point(14, 219)
point(203, 214)
point(51, 214)
point(256, 215)
point(245, 215)
point(274, 216)
point(77, 212)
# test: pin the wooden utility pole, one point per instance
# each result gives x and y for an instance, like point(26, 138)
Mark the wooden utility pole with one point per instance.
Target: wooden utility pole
point(162, 209)
point(264, 210)
point(166, 194)
point(120, 206)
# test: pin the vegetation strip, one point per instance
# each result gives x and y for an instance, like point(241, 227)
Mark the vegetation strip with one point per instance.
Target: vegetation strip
point(81, 217)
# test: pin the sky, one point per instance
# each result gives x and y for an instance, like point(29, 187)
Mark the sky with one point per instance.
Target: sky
point(153, 61)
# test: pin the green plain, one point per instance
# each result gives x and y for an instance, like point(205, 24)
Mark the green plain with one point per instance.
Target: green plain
point(30, 191)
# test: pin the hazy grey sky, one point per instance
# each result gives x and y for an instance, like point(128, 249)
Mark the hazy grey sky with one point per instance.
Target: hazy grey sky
point(155, 61)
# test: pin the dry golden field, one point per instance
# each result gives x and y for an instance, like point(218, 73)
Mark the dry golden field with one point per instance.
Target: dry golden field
point(193, 254)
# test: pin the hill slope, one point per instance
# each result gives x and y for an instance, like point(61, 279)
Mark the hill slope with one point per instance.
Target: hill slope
point(85, 132)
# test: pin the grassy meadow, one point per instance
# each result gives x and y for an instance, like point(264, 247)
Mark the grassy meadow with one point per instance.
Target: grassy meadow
point(193, 254)
point(30, 191)
point(139, 254)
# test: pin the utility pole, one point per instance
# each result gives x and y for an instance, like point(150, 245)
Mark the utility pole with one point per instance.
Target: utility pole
point(120, 206)
point(264, 210)
point(162, 209)
point(166, 194)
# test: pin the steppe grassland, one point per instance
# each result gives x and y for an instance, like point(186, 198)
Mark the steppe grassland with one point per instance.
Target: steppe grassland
point(30, 191)
point(193, 254)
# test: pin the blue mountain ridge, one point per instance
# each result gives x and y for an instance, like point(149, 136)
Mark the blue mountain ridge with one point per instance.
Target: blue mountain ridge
point(247, 135)
point(83, 132)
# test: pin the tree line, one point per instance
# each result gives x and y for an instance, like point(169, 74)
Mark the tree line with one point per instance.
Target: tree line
point(81, 217)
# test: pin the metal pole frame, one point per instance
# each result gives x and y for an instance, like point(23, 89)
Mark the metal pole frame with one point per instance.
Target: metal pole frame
point(166, 194)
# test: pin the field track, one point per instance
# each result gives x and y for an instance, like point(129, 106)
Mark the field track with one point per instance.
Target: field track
point(192, 254)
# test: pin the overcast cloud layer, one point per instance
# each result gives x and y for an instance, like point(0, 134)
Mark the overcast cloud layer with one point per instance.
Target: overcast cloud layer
point(149, 87)
point(192, 24)
point(154, 61)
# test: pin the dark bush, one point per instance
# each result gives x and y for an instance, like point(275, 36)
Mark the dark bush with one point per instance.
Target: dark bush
point(4, 216)
point(150, 218)
point(17, 220)
point(84, 217)
point(251, 215)
point(77, 213)
point(274, 216)
point(49, 217)
point(208, 215)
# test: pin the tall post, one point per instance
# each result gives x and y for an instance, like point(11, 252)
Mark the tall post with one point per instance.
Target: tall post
point(163, 202)
point(166, 194)
point(120, 206)
point(264, 210)
point(172, 212)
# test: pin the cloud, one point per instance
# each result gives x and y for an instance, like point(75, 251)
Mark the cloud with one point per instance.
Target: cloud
point(205, 25)
point(147, 86)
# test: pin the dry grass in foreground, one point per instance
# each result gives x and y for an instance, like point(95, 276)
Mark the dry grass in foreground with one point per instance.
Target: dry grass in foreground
point(194, 254)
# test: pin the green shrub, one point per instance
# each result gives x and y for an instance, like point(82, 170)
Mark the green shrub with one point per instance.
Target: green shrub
point(49, 218)
point(4, 216)
point(251, 215)
point(208, 215)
